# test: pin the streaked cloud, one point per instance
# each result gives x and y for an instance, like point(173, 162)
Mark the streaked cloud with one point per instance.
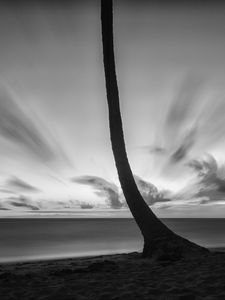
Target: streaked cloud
point(17, 184)
point(179, 132)
point(183, 106)
point(185, 146)
point(18, 126)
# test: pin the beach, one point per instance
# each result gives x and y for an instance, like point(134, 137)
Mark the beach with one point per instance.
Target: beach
point(101, 259)
point(120, 276)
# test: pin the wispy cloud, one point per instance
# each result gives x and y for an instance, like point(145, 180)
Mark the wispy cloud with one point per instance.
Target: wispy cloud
point(154, 149)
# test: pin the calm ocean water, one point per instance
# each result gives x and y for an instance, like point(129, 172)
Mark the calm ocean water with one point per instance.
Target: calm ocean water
point(27, 239)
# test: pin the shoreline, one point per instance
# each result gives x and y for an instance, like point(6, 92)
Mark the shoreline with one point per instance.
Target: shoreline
point(88, 256)
point(106, 254)
point(115, 276)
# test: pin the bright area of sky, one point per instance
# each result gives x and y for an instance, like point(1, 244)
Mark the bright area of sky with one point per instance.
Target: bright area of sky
point(55, 152)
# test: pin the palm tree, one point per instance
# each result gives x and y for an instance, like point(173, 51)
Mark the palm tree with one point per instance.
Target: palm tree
point(158, 238)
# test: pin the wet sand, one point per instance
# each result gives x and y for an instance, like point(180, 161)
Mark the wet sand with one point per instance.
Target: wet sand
point(121, 276)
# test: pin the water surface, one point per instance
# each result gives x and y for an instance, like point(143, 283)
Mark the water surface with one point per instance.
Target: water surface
point(28, 239)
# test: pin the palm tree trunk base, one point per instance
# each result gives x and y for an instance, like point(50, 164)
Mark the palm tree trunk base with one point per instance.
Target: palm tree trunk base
point(172, 248)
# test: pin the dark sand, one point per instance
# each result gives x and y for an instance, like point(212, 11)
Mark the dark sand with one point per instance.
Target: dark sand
point(122, 276)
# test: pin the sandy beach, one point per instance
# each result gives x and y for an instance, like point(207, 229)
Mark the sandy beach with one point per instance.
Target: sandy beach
point(120, 276)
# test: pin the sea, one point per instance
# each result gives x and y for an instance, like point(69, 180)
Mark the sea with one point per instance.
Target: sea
point(42, 238)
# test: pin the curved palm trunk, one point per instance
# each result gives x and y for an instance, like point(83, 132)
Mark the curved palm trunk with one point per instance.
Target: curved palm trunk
point(151, 227)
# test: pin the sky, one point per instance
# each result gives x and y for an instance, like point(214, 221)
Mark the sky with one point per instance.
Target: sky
point(55, 152)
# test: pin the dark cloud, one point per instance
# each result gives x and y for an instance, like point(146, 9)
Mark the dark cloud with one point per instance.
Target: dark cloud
point(84, 205)
point(210, 178)
point(149, 191)
point(103, 188)
point(19, 128)
point(23, 202)
point(19, 185)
